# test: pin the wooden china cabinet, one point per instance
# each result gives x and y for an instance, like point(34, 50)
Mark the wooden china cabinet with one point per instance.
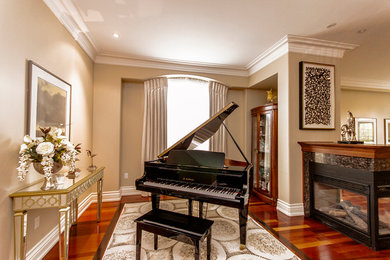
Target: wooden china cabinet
point(265, 152)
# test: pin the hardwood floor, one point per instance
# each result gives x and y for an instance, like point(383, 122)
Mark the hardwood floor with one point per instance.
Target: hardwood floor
point(306, 237)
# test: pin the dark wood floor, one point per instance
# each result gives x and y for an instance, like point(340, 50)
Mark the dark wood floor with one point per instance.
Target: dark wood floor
point(307, 237)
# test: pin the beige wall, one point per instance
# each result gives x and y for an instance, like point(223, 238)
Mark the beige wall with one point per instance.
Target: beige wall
point(295, 135)
point(131, 132)
point(366, 104)
point(107, 114)
point(289, 153)
point(39, 36)
point(371, 60)
point(236, 125)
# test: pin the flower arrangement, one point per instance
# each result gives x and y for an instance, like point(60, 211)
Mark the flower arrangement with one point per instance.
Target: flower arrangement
point(52, 148)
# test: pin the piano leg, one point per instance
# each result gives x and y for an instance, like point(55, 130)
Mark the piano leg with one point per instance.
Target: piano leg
point(155, 201)
point(155, 205)
point(190, 207)
point(243, 217)
point(201, 209)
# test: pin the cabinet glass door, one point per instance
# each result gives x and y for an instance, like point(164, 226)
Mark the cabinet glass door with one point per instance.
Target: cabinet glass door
point(265, 152)
point(255, 149)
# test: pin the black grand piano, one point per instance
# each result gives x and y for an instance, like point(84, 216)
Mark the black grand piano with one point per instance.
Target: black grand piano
point(203, 176)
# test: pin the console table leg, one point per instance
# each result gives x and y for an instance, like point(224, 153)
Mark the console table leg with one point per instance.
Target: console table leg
point(99, 198)
point(74, 212)
point(20, 234)
point(64, 245)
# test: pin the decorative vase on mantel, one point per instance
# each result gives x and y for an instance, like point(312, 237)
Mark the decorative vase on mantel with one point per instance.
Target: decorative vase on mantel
point(49, 182)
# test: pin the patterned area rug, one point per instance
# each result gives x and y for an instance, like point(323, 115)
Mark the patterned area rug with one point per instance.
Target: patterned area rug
point(225, 242)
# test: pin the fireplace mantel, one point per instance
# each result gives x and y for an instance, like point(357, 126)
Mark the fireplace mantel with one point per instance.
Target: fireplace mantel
point(354, 150)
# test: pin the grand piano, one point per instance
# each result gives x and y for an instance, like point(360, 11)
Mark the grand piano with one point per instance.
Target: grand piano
point(203, 176)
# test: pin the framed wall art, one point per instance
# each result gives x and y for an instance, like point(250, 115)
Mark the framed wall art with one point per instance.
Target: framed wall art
point(49, 100)
point(365, 129)
point(387, 131)
point(316, 96)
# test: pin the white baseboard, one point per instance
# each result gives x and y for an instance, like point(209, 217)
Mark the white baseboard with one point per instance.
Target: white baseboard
point(48, 241)
point(129, 190)
point(295, 209)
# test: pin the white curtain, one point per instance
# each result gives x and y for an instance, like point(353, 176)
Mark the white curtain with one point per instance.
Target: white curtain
point(154, 138)
point(218, 97)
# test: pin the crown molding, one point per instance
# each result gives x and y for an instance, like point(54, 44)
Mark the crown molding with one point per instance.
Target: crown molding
point(299, 44)
point(66, 13)
point(365, 84)
point(169, 65)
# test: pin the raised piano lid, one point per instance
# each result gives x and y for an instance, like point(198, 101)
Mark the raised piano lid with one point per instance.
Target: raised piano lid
point(203, 132)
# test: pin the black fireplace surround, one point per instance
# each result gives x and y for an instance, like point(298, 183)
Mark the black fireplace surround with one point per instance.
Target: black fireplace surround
point(352, 201)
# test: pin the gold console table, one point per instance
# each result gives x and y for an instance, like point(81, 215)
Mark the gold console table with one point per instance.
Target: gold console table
point(63, 197)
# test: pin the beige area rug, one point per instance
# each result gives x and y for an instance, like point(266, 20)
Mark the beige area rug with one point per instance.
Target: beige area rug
point(225, 237)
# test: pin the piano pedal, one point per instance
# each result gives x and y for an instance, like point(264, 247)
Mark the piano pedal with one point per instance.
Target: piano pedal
point(242, 246)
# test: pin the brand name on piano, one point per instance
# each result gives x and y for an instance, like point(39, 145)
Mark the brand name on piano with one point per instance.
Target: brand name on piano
point(188, 179)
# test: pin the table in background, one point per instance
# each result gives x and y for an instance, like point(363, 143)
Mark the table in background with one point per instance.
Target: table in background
point(63, 197)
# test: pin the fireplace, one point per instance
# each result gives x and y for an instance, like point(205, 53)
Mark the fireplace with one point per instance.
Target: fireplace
point(348, 193)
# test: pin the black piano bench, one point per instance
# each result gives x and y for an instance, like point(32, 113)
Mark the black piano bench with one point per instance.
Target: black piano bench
point(184, 228)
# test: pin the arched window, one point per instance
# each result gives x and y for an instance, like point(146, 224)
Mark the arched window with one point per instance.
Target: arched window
point(188, 106)
point(174, 106)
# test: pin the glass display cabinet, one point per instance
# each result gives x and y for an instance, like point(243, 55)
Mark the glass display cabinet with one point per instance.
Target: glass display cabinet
point(265, 153)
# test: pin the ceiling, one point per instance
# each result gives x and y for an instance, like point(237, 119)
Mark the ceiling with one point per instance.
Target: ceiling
point(222, 33)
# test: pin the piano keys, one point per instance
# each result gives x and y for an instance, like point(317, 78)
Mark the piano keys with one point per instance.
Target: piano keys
point(203, 176)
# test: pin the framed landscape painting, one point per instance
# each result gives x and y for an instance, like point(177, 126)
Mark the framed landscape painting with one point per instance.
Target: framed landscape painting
point(365, 129)
point(316, 96)
point(48, 101)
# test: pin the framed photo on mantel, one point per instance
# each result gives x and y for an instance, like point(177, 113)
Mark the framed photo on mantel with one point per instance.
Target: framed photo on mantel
point(316, 96)
point(48, 101)
point(365, 129)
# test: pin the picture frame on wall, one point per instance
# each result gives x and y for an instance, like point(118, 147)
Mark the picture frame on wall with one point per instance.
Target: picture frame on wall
point(317, 103)
point(387, 130)
point(49, 101)
point(365, 129)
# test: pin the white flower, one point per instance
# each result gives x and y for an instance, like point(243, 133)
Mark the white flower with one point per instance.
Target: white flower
point(27, 139)
point(23, 148)
point(58, 132)
point(24, 163)
point(68, 144)
point(55, 132)
point(45, 148)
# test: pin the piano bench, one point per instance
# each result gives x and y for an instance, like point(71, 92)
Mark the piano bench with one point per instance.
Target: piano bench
point(184, 228)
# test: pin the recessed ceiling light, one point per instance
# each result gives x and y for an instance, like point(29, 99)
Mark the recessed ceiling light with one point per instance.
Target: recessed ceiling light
point(115, 35)
point(331, 25)
point(362, 30)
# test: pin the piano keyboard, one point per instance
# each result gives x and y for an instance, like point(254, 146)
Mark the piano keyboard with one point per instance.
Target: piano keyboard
point(209, 190)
